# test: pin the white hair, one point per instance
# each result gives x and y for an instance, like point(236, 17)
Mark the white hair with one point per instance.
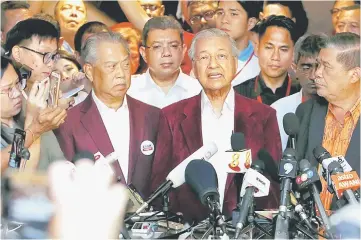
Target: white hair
point(89, 50)
point(208, 33)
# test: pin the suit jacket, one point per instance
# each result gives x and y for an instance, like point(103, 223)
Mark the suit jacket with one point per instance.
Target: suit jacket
point(180, 134)
point(312, 116)
point(84, 130)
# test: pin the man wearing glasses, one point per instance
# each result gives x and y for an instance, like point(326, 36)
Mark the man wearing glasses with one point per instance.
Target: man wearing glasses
point(163, 50)
point(153, 8)
point(304, 64)
point(338, 7)
point(33, 43)
point(202, 14)
point(212, 116)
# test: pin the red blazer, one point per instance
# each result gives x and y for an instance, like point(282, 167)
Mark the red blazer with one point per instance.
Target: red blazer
point(180, 134)
point(84, 130)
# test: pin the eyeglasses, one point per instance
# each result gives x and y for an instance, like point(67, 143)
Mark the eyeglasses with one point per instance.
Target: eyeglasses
point(173, 47)
point(205, 58)
point(337, 10)
point(11, 92)
point(198, 18)
point(47, 56)
point(150, 7)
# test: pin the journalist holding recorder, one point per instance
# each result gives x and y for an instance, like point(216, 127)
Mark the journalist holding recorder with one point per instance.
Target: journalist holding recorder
point(212, 116)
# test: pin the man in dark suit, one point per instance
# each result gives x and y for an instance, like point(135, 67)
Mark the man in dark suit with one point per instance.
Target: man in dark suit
point(108, 120)
point(333, 120)
point(211, 116)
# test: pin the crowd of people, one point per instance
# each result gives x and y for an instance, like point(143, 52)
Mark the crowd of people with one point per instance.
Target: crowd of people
point(153, 93)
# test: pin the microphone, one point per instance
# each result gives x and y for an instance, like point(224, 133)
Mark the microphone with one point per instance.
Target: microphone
point(344, 183)
point(202, 178)
point(286, 171)
point(177, 176)
point(17, 149)
point(325, 158)
point(254, 185)
point(291, 125)
point(83, 155)
point(238, 159)
point(268, 160)
point(305, 167)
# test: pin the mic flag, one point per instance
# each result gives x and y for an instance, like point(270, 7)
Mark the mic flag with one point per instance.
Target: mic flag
point(345, 181)
point(253, 178)
point(237, 161)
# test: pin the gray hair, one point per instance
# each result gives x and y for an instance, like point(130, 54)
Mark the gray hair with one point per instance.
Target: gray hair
point(163, 23)
point(348, 45)
point(208, 33)
point(89, 50)
point(309, 45)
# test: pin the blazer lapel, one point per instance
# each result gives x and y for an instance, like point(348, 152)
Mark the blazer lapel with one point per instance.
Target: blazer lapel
point(137, 123)
point(353, 151)
point(93, 123)
point(317, 126)
point(192, 124)
point(240, 113)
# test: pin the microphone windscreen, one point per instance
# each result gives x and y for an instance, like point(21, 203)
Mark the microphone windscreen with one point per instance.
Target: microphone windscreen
point(291, 124)
point(272, 169)
point(334, 167)
point(320, 153)
point(304, 164)
point(202, 178)
point(237, 141)
point(258, 165)
point(289, 153)
point(83, 155)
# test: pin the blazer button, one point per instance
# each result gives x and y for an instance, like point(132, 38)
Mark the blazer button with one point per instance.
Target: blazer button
point(119, 179)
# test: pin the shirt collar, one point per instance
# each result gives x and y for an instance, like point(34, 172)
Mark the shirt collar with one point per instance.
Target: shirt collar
point(263, 86)
point(354, 111)
point(228, 103)
point(180, 82)
point(246, 53)
point(104, 108)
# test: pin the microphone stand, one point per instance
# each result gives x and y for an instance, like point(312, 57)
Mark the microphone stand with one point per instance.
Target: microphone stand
point(166, 208)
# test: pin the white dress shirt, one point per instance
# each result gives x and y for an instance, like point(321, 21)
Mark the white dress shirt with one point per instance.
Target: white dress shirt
point(284, 106)
point(249, 71)
point(143, 88)
point(218, 130)
point(118, 128)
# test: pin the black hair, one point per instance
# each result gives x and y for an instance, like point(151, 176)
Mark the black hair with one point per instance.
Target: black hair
point(68, 56)
point(25, 30)
point(49, 18)
point(298, 13)
point(309, 46)
point(11, 5)
point(279, 21)
point(89, 27)
point(252, 8)
point(5, 62)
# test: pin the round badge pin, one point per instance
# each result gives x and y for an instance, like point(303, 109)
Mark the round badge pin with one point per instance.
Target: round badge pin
point(147, 147)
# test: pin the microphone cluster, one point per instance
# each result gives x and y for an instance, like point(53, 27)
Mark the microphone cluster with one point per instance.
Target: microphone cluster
point(301, 212)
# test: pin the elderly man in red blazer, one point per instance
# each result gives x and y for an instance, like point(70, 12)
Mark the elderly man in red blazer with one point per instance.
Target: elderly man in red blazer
point(212, 116)
point(108, 120)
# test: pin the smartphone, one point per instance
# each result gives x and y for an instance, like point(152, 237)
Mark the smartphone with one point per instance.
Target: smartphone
point(55, 80)
point(73, 92)
point(16, 148)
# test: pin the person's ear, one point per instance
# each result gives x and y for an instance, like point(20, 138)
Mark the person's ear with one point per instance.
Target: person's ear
point(294, 66)
point(251, 23)
point(293, 19)
point(60, 43)
point(261, 15)
point(162, 9)
point(16, 53)
point(143, 53)
point(88, 70)
point(355, 74)
point(184, 52)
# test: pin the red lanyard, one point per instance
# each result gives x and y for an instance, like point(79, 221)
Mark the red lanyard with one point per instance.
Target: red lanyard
point(259, 99)
point(249, 59)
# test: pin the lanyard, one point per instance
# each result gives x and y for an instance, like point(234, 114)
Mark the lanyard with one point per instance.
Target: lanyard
point(249, 59)
point(259, 99)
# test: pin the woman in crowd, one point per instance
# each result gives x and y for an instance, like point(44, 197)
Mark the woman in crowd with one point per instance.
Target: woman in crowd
point(68, 67)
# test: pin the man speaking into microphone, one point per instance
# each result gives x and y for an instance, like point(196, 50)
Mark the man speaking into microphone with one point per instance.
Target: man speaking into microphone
point(212, 116)
point(333, 120)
